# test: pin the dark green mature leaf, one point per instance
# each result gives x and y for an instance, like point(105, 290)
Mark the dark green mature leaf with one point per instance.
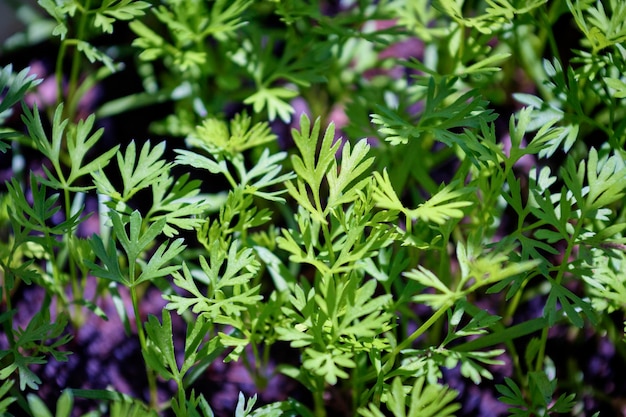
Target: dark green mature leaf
point(539, 401)
point(30, 345)
point(135, 242)
point(572, 306)
point(440, 118)
point(512, 395)
point(478, 324)
point(160, 355)
point(39, 216)
point(26, 272)
point(110, 259)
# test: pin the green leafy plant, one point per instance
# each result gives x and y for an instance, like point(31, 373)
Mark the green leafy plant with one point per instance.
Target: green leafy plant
point(444, 212)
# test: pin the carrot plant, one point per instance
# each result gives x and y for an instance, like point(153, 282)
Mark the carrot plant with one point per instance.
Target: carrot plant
point(392, 192)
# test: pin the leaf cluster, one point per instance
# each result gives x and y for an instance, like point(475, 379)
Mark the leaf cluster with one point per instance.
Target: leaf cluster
point(358, 246)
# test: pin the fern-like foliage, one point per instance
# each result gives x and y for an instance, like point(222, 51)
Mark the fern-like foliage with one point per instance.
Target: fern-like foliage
point(228, 293)
point(334, 324)
point(135, 240)
point(339, 315)
point(13, 88)
point(29, 346)
point(78, 141)
point(367, 255)
point(420, 399)
point(541, 401)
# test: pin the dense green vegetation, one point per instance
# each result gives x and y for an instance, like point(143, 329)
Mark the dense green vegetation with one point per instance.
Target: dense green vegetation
point(390, 191)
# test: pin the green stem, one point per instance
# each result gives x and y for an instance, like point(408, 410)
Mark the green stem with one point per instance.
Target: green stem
point(76, 61)
point(77, 290)
point(182, 399)
point(230, 179)
point(512, 304)
point(255, 370)
point(559, 278)
point(546, 33)
point(325, 230)
point(59, 70)
point(444, 275)
point(318, 398)
point(8, 323)
point(542, 349)
point(530, 62)
point(406, 343)
point(422, 329)
point(58, 289)
point(154, 403)
point(357, 386)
